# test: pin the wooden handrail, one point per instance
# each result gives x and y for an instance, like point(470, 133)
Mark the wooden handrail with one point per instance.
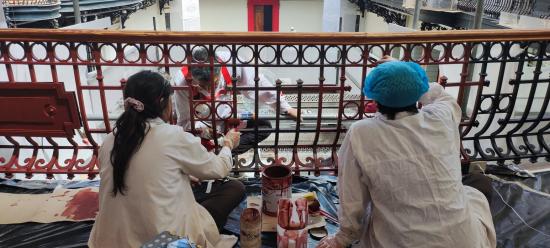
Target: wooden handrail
point(244, 38)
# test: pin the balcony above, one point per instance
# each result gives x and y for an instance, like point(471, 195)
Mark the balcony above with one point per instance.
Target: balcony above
point(98, 6)
point(24, 11)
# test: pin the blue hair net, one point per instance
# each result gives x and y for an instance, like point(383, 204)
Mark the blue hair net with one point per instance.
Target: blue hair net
point(396, 84)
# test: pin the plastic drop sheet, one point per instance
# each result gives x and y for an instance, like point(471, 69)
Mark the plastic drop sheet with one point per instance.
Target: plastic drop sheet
point(528, 199)
point(531, 200)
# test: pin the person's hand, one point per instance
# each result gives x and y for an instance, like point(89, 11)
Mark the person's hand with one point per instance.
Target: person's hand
point(232, 139)
point(194, 181)
point(205, 133)
point(386, 58)
point(292, 112)
point(329, 242)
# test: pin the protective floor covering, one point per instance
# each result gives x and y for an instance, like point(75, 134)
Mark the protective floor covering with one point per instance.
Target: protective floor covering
point(529, 197)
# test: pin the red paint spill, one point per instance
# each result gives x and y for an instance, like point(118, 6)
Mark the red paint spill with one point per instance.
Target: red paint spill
point(291, 223)
point(83, 205)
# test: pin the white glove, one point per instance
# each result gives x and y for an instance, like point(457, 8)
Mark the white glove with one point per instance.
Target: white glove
point(206, 133)
point(232, 139)
point(329, 242)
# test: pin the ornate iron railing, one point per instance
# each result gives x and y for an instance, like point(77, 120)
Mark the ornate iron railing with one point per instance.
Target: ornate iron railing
point(493, 8)
point(499, 78)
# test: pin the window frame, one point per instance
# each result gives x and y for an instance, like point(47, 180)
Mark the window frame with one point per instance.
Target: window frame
point(275, 13)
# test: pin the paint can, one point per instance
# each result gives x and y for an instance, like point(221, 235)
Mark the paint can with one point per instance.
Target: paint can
point(292, 220)
point(276, 184)
point(251, 228)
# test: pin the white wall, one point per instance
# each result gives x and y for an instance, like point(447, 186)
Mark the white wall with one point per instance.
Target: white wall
point(529, 22)
point(374, 23)
point(143, 19)
point(2, 17)
point(223, 15)
point(185, 15)
point(331, 15)
point(140, 20)
point(303, 15)
point(349, 12)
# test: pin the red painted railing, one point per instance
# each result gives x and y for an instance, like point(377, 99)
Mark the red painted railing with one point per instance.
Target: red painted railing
point(497, 76)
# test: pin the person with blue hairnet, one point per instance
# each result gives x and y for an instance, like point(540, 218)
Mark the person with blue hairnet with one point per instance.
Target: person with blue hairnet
point(399, 174)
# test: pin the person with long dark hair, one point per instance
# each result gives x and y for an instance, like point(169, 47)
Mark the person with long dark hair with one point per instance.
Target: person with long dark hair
point(220, 79)
point(146, 169)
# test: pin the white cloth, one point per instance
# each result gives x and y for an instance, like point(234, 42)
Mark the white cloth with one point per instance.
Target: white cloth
point(245, 78)
point(400, 182)
point(159, 197)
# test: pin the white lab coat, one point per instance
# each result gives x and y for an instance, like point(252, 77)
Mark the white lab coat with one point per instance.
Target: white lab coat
point(400, 182)
point(245, 78)
point(159, 197)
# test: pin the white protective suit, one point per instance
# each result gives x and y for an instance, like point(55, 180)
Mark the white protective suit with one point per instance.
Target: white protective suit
point(400, 182)
point(159, 195)
point(245, 78)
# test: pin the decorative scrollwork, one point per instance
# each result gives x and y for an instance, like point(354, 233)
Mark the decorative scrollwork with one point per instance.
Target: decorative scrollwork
point(386, 13)
point(162, 4)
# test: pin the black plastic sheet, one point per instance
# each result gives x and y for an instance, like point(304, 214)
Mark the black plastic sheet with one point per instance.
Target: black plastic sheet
point(539, 183)
point(533, 206)
point(532, 203)
point(75, 234)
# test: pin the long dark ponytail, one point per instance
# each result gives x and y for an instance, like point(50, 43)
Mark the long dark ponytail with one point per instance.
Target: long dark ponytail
point(153, 91)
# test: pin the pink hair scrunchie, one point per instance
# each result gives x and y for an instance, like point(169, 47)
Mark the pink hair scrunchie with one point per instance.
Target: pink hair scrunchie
point(134, 103)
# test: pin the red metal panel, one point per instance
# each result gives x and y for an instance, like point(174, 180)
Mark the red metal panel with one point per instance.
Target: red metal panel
point(37, 109)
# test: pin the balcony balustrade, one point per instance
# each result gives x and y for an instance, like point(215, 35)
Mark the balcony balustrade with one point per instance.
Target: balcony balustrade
point(61, 90)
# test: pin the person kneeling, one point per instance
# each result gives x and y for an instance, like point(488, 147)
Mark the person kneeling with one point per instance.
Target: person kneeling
point(399, 174)
point(145, 168)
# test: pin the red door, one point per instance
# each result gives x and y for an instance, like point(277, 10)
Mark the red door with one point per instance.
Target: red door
point(263, 15)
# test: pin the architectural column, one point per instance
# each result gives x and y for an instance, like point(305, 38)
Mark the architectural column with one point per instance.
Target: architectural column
point(331, 15)
point(3, 23)
point(184, 15)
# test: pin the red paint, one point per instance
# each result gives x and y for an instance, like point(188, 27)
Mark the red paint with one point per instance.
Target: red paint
point(292, 223)
point(314, 208)
point(43, 110)
point(274, 20)
point(276, 184)
point(83, 205)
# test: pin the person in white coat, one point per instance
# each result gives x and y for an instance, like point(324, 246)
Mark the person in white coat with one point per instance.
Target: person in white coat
point(146, 166)
point(399, 174)
point(218, 78)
